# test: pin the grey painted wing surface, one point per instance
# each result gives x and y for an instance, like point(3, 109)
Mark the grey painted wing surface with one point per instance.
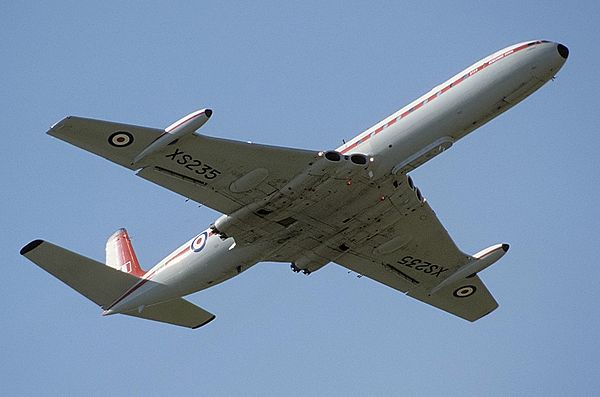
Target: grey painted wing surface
point(472, 305)
point(415, 254)
point(117, 142)
point(225, 174)
point(219, 173)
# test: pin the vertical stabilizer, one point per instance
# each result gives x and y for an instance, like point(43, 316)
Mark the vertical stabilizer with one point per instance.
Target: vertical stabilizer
point(120, 254)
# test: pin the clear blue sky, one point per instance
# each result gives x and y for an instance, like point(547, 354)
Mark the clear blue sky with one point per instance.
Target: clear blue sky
point(305, 74)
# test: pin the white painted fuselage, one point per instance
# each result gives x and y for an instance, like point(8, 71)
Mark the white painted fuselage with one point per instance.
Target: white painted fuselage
point(397, 144)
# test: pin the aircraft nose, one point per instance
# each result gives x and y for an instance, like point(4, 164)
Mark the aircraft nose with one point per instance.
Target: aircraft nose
point(563, 50)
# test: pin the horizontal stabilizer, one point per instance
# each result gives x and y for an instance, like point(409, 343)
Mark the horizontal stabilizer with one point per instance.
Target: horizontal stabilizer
point(102, 284)
point(99, 283)
point(178, 312)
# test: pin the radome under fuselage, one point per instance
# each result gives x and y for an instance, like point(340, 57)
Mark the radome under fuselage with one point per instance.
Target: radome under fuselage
point(397, 144)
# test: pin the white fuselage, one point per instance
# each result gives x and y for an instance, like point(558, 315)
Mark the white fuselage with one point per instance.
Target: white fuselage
point(397, 144)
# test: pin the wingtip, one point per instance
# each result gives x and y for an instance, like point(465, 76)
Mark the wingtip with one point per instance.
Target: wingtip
point(30, 246)
point(57, 126)
point(204, 323)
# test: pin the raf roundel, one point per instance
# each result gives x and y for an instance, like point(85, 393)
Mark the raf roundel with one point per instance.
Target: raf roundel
point(199, 242)
point(120, 139)
point(465, 291)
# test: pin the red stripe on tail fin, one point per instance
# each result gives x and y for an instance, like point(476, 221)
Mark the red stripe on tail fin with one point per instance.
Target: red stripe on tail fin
point(120, 254)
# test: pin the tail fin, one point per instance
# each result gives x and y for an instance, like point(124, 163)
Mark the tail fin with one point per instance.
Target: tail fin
point(120, 254)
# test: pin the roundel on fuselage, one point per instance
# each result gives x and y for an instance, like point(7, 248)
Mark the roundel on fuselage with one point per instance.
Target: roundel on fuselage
point(199, 242)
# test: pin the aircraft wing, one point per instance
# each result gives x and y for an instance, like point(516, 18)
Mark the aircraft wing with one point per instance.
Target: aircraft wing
point(470, 308)
point(219, 173)
point(225, 174)
point(415, 255)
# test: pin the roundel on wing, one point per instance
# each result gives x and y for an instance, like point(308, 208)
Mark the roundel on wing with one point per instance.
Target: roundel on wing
point(199, 242)
point(120, 139)
point(465, 291)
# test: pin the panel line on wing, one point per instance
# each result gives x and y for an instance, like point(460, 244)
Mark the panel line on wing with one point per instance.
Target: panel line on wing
point(180, 176)
point(398, 272)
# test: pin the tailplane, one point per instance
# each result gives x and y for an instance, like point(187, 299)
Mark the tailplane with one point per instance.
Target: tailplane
point(120, 254)
point(102, 284)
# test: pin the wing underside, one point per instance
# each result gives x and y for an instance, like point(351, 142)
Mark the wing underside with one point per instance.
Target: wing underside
point(414, 254)
point(468, 298)
point(222, 174)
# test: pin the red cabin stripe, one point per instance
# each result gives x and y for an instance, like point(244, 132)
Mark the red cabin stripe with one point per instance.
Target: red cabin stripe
point(366, 135)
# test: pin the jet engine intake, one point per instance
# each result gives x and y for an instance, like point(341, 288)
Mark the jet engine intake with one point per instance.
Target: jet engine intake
point(332, 155)
point(359, 159)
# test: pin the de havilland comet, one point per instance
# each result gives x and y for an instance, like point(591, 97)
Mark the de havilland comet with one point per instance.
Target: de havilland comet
point(355, 206)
